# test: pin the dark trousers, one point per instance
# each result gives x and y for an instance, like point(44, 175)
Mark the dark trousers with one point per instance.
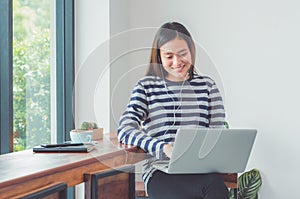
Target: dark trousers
point(186, 186)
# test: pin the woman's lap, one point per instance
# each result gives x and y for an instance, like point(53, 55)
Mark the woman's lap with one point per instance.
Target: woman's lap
point(186, 186)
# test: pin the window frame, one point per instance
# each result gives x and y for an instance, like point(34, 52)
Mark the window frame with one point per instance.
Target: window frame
point(64, 68)
point(64, 72)
point(6, 116)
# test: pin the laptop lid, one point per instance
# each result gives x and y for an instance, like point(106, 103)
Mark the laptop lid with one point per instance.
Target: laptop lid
point(211, 150)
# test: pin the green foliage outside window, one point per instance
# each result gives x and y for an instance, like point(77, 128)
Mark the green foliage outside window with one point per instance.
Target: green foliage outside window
point(31, 73)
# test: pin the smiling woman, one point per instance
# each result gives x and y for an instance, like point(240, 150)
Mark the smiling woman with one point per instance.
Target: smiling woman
point(172, 96)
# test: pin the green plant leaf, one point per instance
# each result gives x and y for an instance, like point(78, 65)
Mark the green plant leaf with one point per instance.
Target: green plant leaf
point(226, 125)
point(85, 126)
point(248, 185)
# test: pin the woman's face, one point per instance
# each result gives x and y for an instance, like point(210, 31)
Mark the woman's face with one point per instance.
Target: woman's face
point(176, 59)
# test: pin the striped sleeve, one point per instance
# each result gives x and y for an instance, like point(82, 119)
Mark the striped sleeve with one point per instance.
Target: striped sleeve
point(129, 131)
point(216, 108)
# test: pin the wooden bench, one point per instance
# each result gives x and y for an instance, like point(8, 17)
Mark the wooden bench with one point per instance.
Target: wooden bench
point(230, 181)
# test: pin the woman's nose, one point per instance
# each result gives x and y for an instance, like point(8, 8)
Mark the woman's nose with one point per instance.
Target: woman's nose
point(176, 60)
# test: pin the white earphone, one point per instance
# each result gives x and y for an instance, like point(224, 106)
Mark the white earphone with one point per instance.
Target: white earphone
point(179, 106)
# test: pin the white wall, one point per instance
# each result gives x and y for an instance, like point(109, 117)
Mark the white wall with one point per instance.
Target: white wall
point(252, 49)
point(92, 62)
point(119, 61)
point(249, 47)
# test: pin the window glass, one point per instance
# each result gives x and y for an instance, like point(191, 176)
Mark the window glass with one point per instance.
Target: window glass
point(32, 58)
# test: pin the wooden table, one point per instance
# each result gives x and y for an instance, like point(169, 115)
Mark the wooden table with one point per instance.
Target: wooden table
point(21, 172)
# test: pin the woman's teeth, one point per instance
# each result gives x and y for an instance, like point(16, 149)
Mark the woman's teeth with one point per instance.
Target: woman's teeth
point(180, 67)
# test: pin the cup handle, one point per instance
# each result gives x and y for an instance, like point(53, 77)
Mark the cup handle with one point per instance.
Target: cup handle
point(89, 138)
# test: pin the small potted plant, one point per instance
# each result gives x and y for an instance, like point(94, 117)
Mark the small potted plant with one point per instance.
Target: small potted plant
point(88, 126)
point(97, 132)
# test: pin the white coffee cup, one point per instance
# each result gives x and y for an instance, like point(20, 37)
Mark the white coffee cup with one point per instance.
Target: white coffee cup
point(81, 136)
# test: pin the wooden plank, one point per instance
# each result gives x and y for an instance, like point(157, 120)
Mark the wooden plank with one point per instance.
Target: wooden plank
point(230, 179)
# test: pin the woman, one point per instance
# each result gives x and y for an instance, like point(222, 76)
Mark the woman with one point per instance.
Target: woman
point(169, 97)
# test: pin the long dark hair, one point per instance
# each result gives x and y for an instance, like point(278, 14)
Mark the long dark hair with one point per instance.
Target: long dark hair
point(166, 33)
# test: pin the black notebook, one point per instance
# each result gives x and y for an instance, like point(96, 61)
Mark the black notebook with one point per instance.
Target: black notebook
point(70, 149)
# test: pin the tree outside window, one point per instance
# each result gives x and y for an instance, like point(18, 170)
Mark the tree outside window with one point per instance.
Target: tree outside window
point(31, 73)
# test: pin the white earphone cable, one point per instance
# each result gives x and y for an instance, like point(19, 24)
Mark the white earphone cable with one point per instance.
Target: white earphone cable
point(174, 104)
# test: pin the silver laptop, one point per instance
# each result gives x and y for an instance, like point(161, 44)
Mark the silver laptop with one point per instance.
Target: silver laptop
point(209, 151)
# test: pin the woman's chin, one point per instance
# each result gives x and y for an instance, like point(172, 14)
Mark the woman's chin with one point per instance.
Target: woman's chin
point(179, 77)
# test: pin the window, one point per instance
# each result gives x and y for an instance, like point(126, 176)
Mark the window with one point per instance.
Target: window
point(32, 69)
point(36, 79)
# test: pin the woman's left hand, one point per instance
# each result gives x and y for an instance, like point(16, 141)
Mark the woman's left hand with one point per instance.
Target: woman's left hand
point(167, 149)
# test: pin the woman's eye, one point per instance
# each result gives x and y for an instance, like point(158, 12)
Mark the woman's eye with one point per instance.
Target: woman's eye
point(183, 54)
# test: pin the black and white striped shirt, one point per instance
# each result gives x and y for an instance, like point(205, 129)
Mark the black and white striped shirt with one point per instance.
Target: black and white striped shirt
point(159, 107)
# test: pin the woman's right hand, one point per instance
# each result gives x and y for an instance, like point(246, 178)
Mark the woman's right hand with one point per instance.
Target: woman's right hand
point(167, 149)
